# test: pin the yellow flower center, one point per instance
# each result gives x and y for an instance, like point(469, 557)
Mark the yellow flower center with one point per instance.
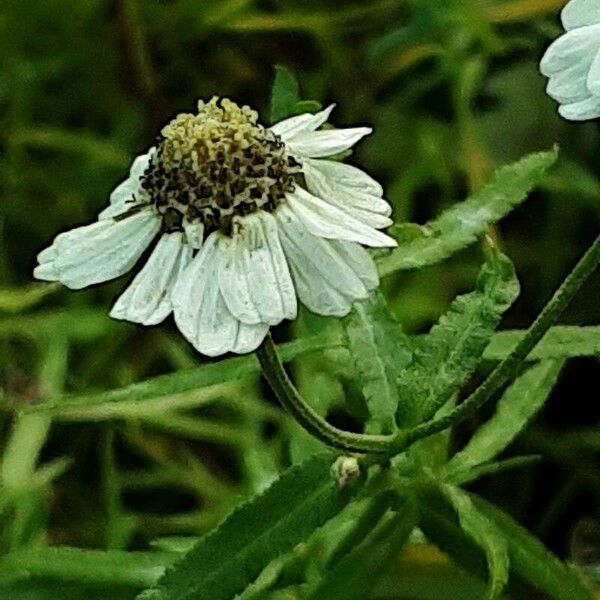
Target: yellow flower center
point(217, 164)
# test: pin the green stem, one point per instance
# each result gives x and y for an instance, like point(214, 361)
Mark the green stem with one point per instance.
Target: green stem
point(305, 415)
point(509, 367)
point(308, 418)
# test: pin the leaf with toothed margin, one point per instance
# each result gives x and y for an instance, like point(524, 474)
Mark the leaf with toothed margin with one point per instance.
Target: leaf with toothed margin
point(465, 222)
point(228, 559)
point(446, 357)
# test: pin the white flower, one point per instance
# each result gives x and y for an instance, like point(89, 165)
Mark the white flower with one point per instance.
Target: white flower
point(572, 62)
point(248, 219)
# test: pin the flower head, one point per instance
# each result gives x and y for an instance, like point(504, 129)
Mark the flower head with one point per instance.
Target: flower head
point(572, 62)
point(248, 219)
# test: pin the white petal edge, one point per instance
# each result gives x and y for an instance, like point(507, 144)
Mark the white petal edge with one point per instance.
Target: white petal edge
point(579, 13)
point(578, 46)
point(324, 280)
point(593, 78)
point(98, 252)
point(147, 300)
point(306, 122)
point(326, 142)
point(200, 310)
point(260, 261)
point(581, 111)
point(346, 175)
point(368, 208)
point(330, 222)
point(194, 233)
point(127, 194)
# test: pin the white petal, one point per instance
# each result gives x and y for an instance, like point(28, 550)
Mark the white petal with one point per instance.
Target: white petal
point(217, 327)
point(328, 221)
point(359, 260)
point(578, 46)
point(194, 232)
point(325, 282)
point(188, 293)
point(288, 128)
point(327, 142)
point(593, 78)
point(148, 299)
point(268, 278)
point(100, 251)
point(233, 281)
point(569, 85)
point(578, 13)
point(46, 272)
point(347, 175)
point(200, 310)
point(249, 337)
point(127, 194)
point(368, 208)
point(581, 111)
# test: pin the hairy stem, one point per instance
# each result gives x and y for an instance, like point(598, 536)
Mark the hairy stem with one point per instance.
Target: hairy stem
point(308, 418)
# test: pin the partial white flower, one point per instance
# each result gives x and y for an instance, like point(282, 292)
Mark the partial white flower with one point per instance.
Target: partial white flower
point(572, 62)
point(249, 219)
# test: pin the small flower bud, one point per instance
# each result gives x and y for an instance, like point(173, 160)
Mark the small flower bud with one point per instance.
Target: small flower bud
point(346, 470)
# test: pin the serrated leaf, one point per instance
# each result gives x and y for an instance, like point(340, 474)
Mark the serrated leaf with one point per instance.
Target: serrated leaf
point(563, 341)
point(285, 94)
point(446, 358)
point(465, 222)
point(532, 561)
point(517, 406)
point(224, 562)
point(379, 350)
point(485, 534)
point(352, 578)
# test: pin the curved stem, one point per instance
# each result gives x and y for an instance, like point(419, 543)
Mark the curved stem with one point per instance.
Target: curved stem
point(305, 415)
point(308, 418)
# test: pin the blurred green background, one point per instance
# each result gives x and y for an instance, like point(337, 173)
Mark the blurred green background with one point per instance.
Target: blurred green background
point(452, 89)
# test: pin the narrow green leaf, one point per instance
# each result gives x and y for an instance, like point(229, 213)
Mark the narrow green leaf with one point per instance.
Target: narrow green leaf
point(80, 325)
point(517, 406)
point(285, 94)
point(563, 341)
point(465, 222)
point(491, 468)
point(147, 396)
point(224, 562)
point(14, 300)
point(533, 562)
point(139, 569)
point(352, 578)
point(450, 353)
point(485, 534)
point(379, 350)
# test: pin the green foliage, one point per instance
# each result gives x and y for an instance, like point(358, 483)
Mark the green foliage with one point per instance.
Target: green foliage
point(352, 577)
point(118, 439)
point(448, 356)
point(231, 557)
point(379, 350)
point(134, 569)
point(461, 225)
point(515, 409)
point(485, 534)
point(533, 562)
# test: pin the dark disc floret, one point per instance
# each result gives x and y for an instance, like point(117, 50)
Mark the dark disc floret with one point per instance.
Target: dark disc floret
point(216, 165)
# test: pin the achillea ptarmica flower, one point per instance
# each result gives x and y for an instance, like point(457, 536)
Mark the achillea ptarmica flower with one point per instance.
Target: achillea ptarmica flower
point(247, 218)
point(572, 62)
